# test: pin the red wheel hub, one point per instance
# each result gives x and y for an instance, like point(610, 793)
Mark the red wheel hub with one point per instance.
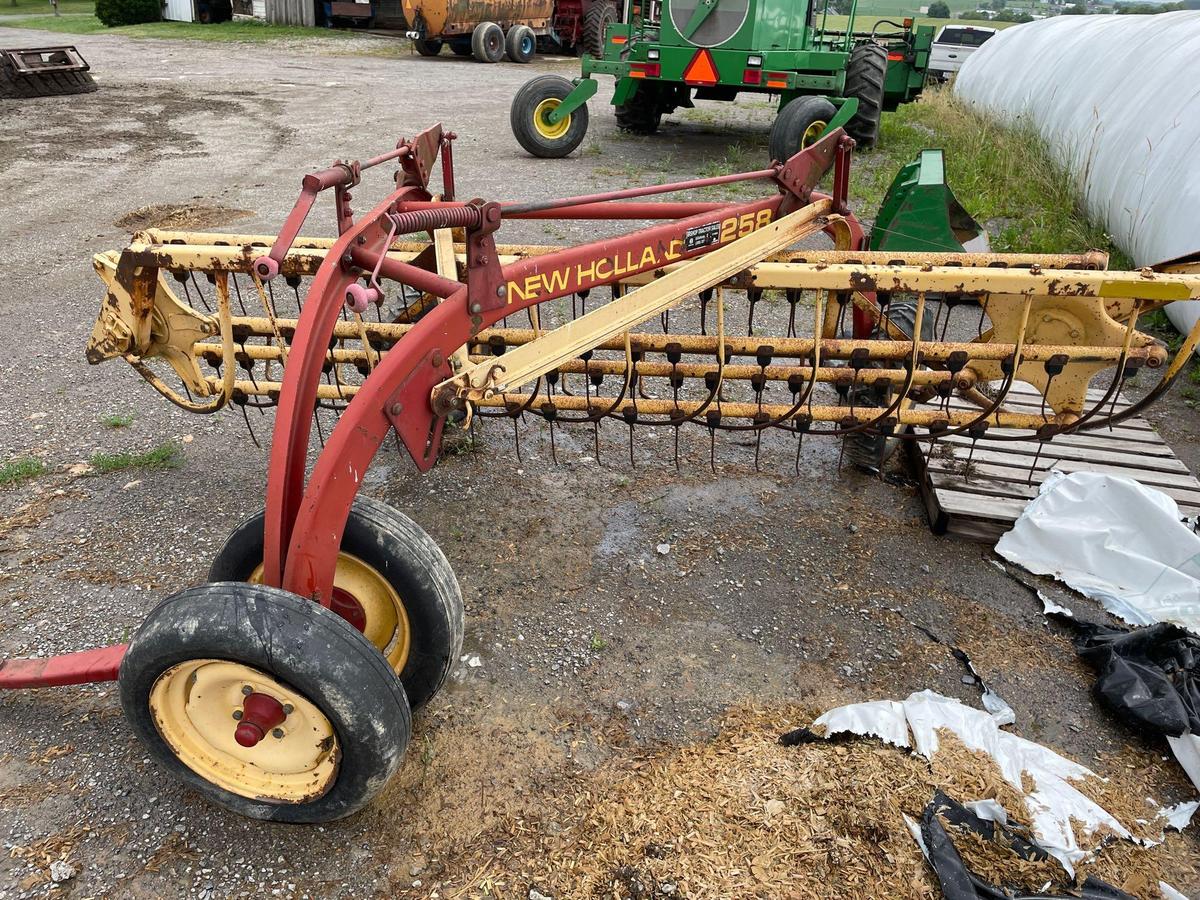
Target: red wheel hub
point(344, 604)
point(260, 714)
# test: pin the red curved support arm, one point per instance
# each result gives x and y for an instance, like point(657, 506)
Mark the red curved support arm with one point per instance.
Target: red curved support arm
point(398, 391)
point(302, 374)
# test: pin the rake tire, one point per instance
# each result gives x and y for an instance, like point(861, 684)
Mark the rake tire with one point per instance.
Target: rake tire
point(428, 47)
point(298, 643)
point(402, 553)
point(15, 86)
point(524, 125)
point(865, 72)
point(487, 43)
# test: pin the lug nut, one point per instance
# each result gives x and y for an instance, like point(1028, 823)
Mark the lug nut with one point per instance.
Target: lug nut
point(237, 714)
point(277, 733)
point(247, 690)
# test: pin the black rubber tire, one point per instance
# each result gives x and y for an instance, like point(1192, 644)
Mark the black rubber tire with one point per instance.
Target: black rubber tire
point(793, 121)
point(520, 43)
point(870, 451)
point(48, 84)
point(596, 20)
point(865, 72)
point(400, 550)
point(487, 42)
point(310, 649)
point(642, 113)
point(461, 47)
point(520, 118)
point(428, 48)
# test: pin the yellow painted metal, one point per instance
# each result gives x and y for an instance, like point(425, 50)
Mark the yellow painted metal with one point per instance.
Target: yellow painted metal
point(566, 342)
point(1041, 307)
point(193, 703)
point(551, 131)
point(386, 620)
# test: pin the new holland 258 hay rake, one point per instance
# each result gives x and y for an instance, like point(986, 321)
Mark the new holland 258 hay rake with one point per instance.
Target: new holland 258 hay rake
point(283, 688)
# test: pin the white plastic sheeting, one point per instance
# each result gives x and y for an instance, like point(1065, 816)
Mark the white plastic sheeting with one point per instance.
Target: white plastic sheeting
point(1051, 805)
point(1114, 540)
point(1117, 98)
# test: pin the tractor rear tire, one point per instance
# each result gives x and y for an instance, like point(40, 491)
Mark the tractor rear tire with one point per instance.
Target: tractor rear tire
point(864, 79)
point(428, 48)
point(537, 98)
point(595, 27)
point(798, 124)
point(642, 113)
point(415, 608)
point(487, 42)
point(520, 43)
point(201, 654)
point(49, 84)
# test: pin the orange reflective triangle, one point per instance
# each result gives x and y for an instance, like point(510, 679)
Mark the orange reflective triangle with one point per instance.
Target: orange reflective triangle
point(701, 70)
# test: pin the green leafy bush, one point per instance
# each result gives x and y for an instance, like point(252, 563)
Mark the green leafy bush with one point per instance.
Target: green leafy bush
point(128, 12)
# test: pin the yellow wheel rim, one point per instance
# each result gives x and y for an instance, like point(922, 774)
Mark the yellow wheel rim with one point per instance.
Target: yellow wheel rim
point(544, 128)
point(812, 132)
point(385, 620)
point(193, 705)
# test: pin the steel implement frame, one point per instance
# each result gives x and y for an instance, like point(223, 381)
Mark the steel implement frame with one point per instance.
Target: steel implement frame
point(306, 516)
point(304, 524)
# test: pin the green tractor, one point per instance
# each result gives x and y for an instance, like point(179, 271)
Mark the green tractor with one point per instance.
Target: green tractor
point(668, 52)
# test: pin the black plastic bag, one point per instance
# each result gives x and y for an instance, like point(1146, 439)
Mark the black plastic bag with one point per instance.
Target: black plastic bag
point(959, 883)
point(1150, 677)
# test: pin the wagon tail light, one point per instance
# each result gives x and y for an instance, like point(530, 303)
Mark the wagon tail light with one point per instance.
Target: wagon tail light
point(895, 57)
point(645, 70)
point(702, 70)
point(777, 79)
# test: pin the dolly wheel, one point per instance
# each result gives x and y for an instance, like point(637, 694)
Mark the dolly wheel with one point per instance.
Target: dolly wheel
point(428, 47)
point(392, 583)
point(800, 123)
point(265, 702)
point(520, 43)
point(487, 42)
point(533, 103)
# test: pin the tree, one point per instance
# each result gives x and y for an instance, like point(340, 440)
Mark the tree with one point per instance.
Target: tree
point(1074, 10)
point(939, 10)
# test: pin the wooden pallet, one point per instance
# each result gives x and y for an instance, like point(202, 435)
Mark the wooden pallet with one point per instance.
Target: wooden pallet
point(983, 503)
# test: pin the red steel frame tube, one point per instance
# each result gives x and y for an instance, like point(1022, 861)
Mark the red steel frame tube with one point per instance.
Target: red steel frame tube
point(401, 384)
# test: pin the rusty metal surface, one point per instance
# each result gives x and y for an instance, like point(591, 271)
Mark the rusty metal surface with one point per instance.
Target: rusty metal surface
point(447, 18)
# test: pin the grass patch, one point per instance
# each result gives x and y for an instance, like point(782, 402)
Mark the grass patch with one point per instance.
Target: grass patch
point(224, 32)
point(997, 173)
point(118, 420)
point(43, 7)
point(17, 470)
point(166, 456)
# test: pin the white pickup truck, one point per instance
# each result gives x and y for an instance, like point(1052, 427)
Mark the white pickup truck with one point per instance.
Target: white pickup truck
point(953, 44)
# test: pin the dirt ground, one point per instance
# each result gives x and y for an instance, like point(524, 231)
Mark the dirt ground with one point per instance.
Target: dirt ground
point(597, 651)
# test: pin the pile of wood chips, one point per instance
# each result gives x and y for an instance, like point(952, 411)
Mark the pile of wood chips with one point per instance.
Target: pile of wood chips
point(743, 816)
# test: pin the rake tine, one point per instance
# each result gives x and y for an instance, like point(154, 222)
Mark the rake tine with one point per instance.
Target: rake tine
point(320, 431)
point(250, 427)
point(676, 448)
point(237, 289)
point(517, 438)
point(596, 439)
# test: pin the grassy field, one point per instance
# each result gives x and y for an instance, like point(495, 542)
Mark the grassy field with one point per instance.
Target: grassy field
point(43, 7)
point(997, 174)
point(864, 22)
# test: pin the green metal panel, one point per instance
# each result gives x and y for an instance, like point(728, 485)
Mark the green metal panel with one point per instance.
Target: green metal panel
point(920, 212)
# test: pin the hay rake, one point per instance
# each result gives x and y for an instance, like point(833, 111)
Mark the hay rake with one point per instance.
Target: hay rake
point(713, 317)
